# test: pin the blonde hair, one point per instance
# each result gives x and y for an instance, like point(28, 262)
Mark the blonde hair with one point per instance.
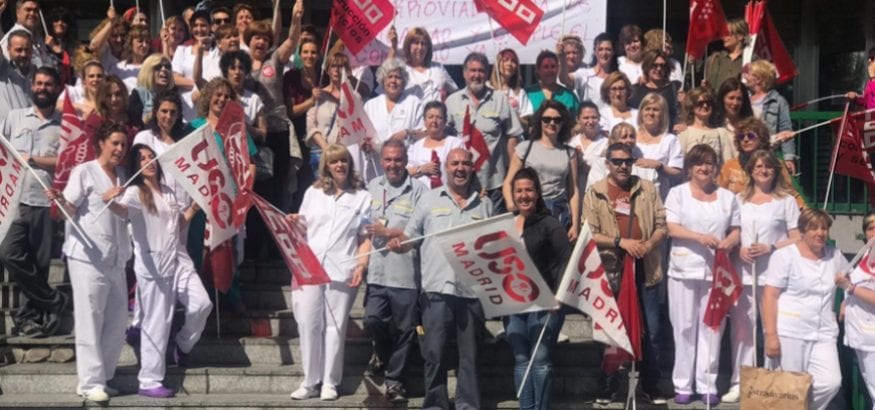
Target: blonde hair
point(617, 132)
point(779, 186)
point(650, 99)
point(203, 102)
point(146, 77)
point(688, 115)
point(765, 72)
point(325, 181)
point(655, 39)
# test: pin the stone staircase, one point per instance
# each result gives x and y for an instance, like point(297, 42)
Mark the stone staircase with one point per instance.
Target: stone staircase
point(255, 361)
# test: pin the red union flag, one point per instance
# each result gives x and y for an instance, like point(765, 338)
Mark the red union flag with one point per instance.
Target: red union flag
point(232, 128)
point(584, 286)
point(11, 174)
point(196, 163)
point(725, 290)
point(75, 147)
point(519, 17)
point(474, 141)
point(491, 260)
point(292, 243)
point(766, 42)
point(707, 23)
point(852, 160)
point(354, 125)
point(358, 22)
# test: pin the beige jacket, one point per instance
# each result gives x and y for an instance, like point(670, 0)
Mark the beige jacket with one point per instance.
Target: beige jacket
point(651, 219)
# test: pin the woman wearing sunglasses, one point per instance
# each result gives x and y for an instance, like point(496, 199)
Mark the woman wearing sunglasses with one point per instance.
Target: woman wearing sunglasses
point(656, 70)
point(750, 135)
point(548, 153)
point(698, 114)
point(155, 76)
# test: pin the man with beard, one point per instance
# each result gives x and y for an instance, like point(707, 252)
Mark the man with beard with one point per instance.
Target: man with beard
point(448, 306)
point(626, 216)
point(393, 278)
point(27, 19)
point(492, 114)
point(26, 250)
point(15, 73)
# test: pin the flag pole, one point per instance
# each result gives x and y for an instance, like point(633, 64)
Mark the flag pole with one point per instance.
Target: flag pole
point(633, 385)
point(708, 367)
point(519, 391)
point(664, 20)
point(753, 267)
point(564, 7)
point(218, 318)
point(161, 7)
point(43, 20)
point(835, 154)
point(128, 182)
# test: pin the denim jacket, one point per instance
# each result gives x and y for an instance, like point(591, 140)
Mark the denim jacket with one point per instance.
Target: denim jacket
point(776, 114)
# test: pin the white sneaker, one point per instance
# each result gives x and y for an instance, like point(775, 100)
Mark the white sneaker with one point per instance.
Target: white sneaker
point(303, 393)
point(732, 395)
point(109, 391)
point(562, 338)
point(329, 393)
point(97, 394)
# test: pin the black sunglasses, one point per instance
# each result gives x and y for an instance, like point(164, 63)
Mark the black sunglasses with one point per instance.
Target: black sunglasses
point(746, 136)
point(620, 161)
point(554, 120)
point(221, 21)
point(159, 66)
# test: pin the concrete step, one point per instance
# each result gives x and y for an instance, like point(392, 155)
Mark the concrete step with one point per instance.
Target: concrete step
point(266, 401)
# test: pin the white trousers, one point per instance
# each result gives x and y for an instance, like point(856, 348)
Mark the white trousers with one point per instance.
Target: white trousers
point(100, 300)
point(741, 330)
point(322, 313)
point(157, 294)
point(697, 347)
point(866, 361)
point(819, 359)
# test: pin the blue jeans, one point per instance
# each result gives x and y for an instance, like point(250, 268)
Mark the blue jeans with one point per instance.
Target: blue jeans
point(559, 209)
point(522, 332)
point(651, 308)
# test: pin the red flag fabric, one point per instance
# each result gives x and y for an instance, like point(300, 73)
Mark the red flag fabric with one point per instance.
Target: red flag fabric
point(75, 148)
point(519, 17)
point(768, 44)
point(357, 22)
point(232, 128)
point(725, 290)
point(707, 23)
point(292, 243)
point(474, 141)
point(630, 311)
point(852, 160)
point(219, 265)
point(435, 179)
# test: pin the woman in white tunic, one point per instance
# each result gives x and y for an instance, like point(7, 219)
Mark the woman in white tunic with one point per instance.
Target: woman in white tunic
point(798, 321)
point(589, 140)
point(859, 308)
point(97, 271)
point(701, 217)
point(768, 222)
point(661, 149)
point(334, 213)
point(615, 91)
point(396, 114)
point(165, 273)
point(425, 158)
point(185, 56)
point(429, 80)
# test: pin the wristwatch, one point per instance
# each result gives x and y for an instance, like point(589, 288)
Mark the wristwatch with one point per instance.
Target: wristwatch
point(617, 241)
point(31, 162)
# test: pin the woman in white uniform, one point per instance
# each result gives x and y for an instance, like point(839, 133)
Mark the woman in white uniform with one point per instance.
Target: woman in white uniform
point(334, 213)
point(701, 217)
point(661, 149)
point(165, 273)
point(859, 308)
point(429, 80)
point(97, 271)
point(425, 158)
point(589, 140)
point(615, 91)
point(768, 222)
point(396, 114)
point(798, 321)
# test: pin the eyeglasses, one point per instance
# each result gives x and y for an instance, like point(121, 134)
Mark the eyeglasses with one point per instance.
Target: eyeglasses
point(659, 66)
point(165, 66)
point(704, 104)
point(617, 89)
point(622, 161)
point(554, 120)
point(746, 136)
point(220, 22)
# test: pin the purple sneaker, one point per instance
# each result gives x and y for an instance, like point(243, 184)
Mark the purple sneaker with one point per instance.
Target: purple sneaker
point(132, 336)
point(682, 398)
point(159, 392)
point(711, 399)
point(180, 357)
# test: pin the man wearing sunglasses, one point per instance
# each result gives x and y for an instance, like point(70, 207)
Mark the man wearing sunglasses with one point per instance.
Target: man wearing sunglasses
point(627, 218)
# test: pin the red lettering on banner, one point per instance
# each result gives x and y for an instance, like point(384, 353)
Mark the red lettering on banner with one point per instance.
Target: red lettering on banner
point(181, 164)
point(612, 315)
point(598, 303)
point(585, 293)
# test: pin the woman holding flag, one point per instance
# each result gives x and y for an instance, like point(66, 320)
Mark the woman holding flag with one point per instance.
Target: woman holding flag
point(334, 214)
point(859, 308)
point(798, 320)
point(768, 222)
point(97, 263)
point(425, 158)
point(165, 272)
point(702, 218)
point(550, 250)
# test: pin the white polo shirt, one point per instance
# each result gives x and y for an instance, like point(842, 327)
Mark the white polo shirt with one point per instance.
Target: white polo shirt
point(859, 315)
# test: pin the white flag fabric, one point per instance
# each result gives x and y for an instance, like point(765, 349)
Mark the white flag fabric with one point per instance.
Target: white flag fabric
point(197, 163)
point(584, 286)
point(353, 123)
point(491, 259)
point(11, 176)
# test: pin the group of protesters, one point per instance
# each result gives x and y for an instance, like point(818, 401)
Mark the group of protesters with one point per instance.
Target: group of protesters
point(667, 174)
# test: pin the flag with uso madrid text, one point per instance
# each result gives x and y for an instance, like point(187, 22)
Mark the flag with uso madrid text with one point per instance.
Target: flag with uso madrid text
point(292, 243)
point(357, 22)
point(490, 258)
point(585, 287)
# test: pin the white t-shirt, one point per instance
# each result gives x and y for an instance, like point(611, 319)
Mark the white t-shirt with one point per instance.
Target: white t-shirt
point(156, 235)
point(418, 154)
point(668, 152)
point(126, 72)
point(608, 121)
point(594, 151)
point(147, 138)
point(859, 315)
point(252, 105)
point(427, 85)
point(588, 87)
point(773, 221)
point(631, 69)
point(405, 115)
point(519, 101)
point(805, 305)
point(690, 259)
point(183, 64)
point(333, 227)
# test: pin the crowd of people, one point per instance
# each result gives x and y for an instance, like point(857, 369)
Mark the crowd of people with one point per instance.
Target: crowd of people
point(666, 172)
